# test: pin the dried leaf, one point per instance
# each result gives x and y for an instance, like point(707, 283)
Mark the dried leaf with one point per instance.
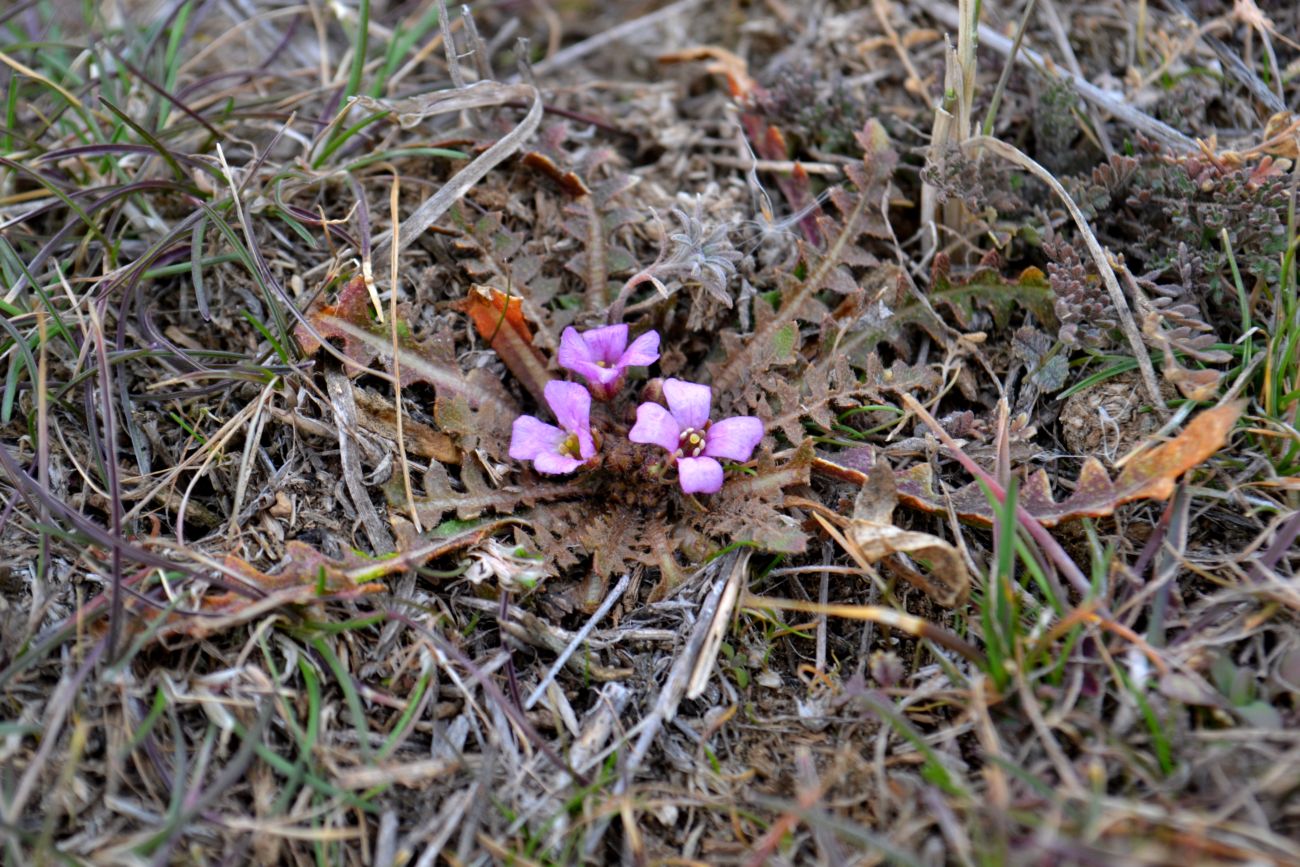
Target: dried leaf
point(364, 340)
point(499, 319)
point(872, 537)
point(1197, 385)
point(1148, 476)
point(307, 576)
point(566, 180)
point(378, 415)
point(352, 308)
point(1151, 474)
point(723, 62)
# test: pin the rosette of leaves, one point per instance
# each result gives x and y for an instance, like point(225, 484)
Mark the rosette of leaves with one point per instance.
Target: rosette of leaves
point(1082, 305)
point(701, 252)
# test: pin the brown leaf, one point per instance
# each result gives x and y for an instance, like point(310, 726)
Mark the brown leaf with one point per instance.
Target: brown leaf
point(722, 62)
point(1198, 385)
point(1148, 476)
point(872, 537)
point(377, 415)
point(430, 362)
point(567, 181)
point(353, 309)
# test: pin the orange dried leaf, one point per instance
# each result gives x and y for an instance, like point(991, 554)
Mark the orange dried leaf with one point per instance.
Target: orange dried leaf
point(567, 181)
point(499, 319)
point(723, 62)
point(492, 311)
point(1148, 476)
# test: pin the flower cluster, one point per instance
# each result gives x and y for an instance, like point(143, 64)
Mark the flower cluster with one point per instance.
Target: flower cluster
point(694, 443)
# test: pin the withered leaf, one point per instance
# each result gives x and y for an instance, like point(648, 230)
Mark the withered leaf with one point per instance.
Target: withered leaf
point(499, 319)
point(379, 415)
point(307, 575)
point(352, 308)
point(1148, 476)
point(873, 537)
point(364, 340)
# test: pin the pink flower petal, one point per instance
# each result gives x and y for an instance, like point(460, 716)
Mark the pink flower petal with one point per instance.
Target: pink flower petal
point(571, 404)
point(734, 438)
point(688, 401)
point(596, 373)
point(530, 437)
point(554, 464)
point(586, 445)
point(644, 350)
point(573, 350)
point(699, 475)
point(606, 343)
point(655, 426)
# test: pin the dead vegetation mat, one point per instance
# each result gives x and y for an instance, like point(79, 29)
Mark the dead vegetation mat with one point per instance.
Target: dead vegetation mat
point(1010, 576)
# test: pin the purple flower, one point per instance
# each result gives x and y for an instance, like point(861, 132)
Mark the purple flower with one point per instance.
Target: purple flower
point(556, 450)
point(602, 355)
point(693, 441)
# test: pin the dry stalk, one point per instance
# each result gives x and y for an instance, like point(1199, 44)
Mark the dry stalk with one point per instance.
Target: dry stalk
point(951, 128)
point(413, 110)
point(1113, 104)
point(1014, 155)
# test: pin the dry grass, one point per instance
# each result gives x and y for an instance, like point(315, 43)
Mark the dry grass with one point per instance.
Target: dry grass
point(271, 590)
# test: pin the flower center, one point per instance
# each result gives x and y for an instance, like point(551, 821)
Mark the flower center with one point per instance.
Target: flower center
point(602, 363)
point(570, 447)
point(691, 443)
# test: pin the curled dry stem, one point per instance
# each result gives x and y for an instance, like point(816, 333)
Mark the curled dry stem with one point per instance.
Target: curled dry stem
point(1127, 323)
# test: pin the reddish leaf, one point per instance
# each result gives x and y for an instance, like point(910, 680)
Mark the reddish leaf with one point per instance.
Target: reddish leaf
point(487, 409)
point(353, 308)
point(499, 319)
